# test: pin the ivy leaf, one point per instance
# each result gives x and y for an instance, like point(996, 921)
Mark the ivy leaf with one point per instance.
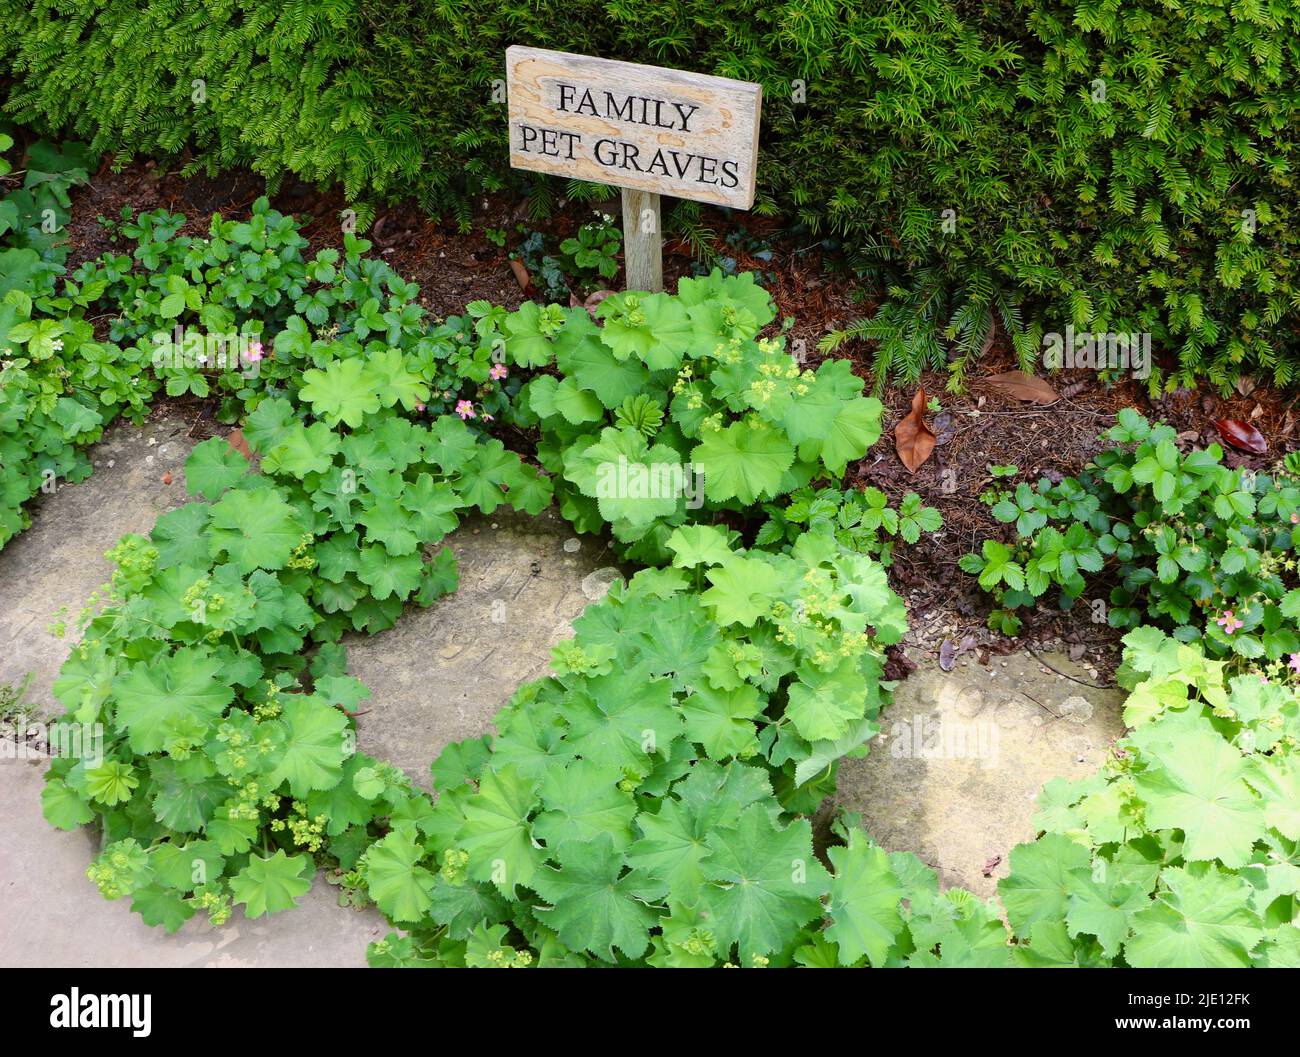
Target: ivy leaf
point(865, 901)
point(269, 885)
point(256, 530)
point(592, 907)
point(394, 879)
point(743, 461)
point(766, 884)
point(212, 467)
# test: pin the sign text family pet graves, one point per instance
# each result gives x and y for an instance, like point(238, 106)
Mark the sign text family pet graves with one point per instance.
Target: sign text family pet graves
point(645, 129)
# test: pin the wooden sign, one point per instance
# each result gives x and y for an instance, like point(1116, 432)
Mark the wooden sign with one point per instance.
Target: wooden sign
point(646, 129)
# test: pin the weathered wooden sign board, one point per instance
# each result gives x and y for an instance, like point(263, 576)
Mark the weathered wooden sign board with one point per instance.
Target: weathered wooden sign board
point(648, 130)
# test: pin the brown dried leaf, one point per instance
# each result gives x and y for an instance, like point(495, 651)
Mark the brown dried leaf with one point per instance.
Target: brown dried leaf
point(1241, 435)
point(521, 274)
point(947, 655)
point(236, 440)
point(1021, 386)
point(596, 298)
point(912, 437)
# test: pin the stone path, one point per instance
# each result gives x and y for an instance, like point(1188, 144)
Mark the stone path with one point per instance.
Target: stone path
point(442, 673)
point(964, 753)
point(953, 778)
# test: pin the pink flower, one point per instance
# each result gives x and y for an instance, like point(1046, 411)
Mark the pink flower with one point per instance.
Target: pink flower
point(499, 371)
point(255, 352)
point(465, 409)
point(1293, 662)
point(1295, 519)
point(487, 417)
point(1229, 623)
point(419, 407)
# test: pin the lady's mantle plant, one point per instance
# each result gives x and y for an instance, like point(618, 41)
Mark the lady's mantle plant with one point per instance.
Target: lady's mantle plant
point(709, 701)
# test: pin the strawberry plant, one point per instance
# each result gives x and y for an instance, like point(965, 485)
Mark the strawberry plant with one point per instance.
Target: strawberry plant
point(1191, 545)
point(862, 521)
point(592, 254)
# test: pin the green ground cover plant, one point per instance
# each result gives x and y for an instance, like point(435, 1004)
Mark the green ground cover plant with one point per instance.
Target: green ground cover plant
point(649, 801)
point(1118, 168)
point(52, 401)
point(1192, 545)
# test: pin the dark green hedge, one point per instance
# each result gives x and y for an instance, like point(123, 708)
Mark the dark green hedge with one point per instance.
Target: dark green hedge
point(1128, 212)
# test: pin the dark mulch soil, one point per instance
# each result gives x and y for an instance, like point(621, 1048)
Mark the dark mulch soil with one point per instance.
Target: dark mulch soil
point(974, 430)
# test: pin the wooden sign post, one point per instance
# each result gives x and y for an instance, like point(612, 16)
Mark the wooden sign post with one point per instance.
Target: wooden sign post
point(645, 129)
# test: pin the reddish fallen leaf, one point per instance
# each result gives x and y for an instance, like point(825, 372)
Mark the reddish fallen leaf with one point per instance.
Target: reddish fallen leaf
point(912, 437)
point(947, 655)
point(594, 299)
point(167, 477)
point(1241, 435)
point(1021, 386)
point(992, 865)
point(236, 440)
point(521, 274)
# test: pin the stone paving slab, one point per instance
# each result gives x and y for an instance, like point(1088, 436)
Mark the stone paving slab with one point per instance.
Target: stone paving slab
point(54, 916)
point(59, 560)
point(963, 754)
point(442, 673)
